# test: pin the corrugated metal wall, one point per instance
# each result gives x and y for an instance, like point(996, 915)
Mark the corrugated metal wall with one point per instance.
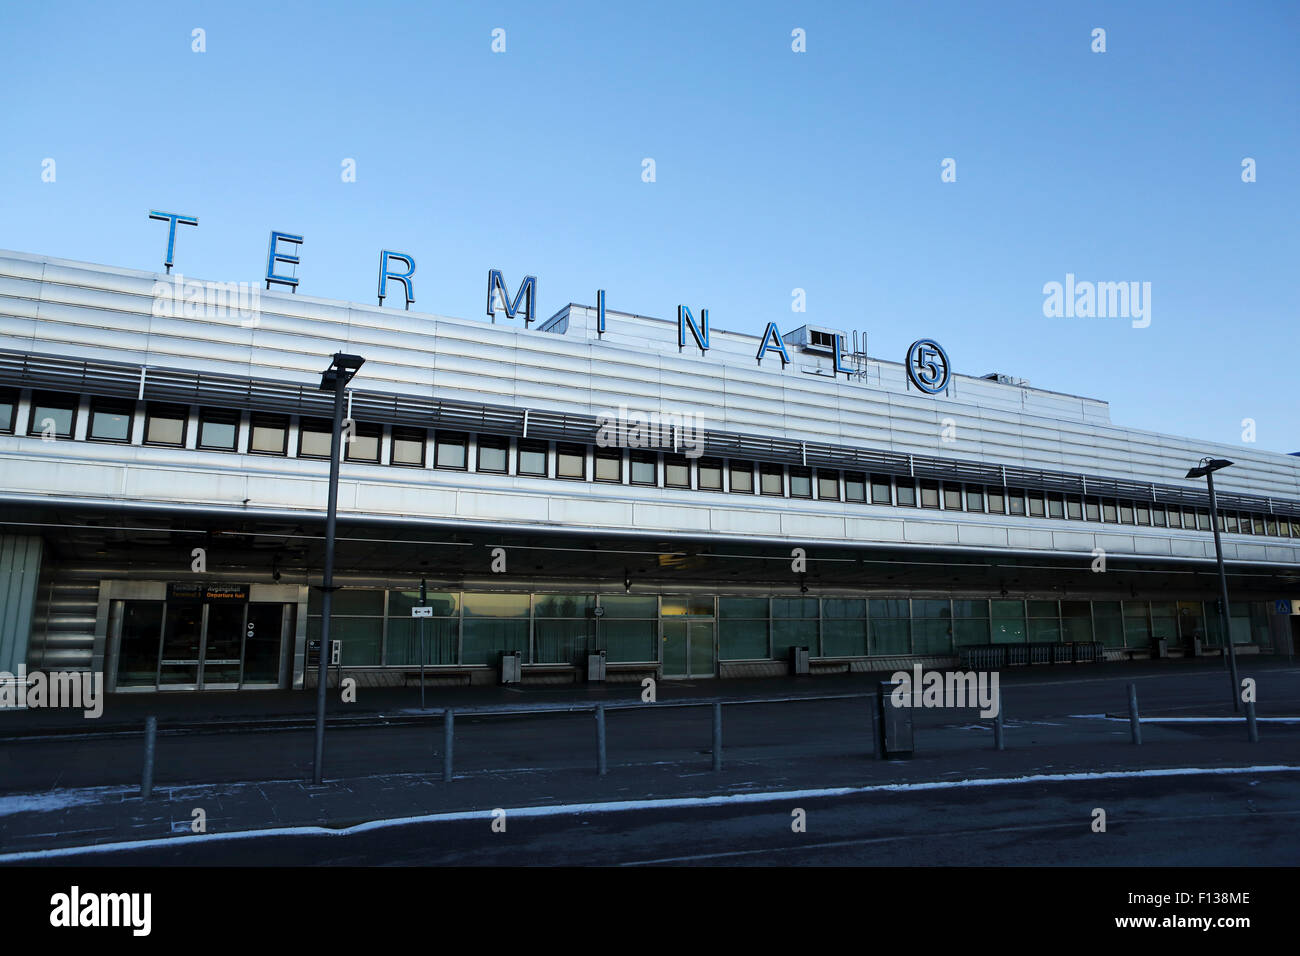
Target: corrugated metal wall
point(20, 564)
point(63, 627)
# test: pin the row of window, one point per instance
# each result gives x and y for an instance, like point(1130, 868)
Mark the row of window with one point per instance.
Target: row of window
point(54, 414)
point(475, 627)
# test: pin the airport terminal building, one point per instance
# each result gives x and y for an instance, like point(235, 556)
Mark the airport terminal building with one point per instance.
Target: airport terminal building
point(691, 502)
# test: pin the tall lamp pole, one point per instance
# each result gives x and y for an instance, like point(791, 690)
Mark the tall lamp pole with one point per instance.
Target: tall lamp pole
point(334, 379)
point(1206, 469)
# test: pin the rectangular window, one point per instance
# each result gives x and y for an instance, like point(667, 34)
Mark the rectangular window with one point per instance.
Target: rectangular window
point(1158, 515)
point(531, 458)
point(1091, 509)
point(645, 468)
point(710, 474)
point(742, 476)
point(493, 454)
point(1270, 526)
point(677, 471)
point(929, 494)
point(364, 443)
point(882, 492)
point(8, 409)
point(1074, 509)
point(268, 434)
point(408, 446)
point(1143, 514)
point(218, 428)
point(609, 465)
point(828, 485)
point(800, 482)
point(314, 437)
point(905, 490)
point(1055, 506)
point(1015, 501)
point(571, 461)
point(997, 501)
point(1175, 517)
point(771, 480)
point(1189, 519)
point(1203, 521)
point(110, 419)
point(1037, 506)
point(1109, 511)
point(951, 497)
point(855, 486)
point(165, 424)
point(974, 498)
point(451, 451)
point(53, 413)
point(1126, 512)
point(1230, 521)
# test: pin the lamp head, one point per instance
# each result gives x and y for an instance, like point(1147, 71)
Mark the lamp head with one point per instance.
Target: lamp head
point(1208, 466)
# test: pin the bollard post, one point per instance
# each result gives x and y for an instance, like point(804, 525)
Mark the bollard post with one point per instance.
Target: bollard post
point(1252, 728)
point(1135, 725)
point(717, 736)
point(600, 740)
point(448, 741)
point(150, 741)
point(875, 725)
point(999, 743)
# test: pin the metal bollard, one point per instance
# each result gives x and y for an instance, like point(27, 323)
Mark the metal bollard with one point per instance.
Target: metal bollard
point(448, 742)
point(1252, 728)
point(717, 736)
point(998, 742)
point(150, 742)
point(600, 740)
point(874, 704)
point(1135, 725)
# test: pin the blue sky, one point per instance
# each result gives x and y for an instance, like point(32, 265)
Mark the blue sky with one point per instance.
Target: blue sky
point(775, 170)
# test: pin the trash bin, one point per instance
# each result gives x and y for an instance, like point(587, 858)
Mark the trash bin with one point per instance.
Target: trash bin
point(893, 724)
point(798, 660)
point(596, 666)
point(1198, 650)
point(1162, 647)
point(511, 667)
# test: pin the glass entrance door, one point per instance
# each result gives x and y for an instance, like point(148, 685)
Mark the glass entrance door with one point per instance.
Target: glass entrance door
point(688, 649)
point(183, 644)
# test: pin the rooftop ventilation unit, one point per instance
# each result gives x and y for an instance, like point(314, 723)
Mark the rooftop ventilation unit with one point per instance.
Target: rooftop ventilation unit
point(1006, 379)
point(812, 338)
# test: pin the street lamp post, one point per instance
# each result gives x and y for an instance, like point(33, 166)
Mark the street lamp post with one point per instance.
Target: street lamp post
point(1206, 469)
point(335, 379)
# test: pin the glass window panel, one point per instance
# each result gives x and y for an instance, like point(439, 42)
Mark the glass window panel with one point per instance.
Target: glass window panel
point(110, 421)
point(845, 638)
point(357, 601)
point(1036, 506)
point(450, 450)
point(929, 494)
point(441, 640)
point(361, 639)
point(889, 635)
point(742, 476)
point(800, 482)
point(1044, 629)
point(771, 480)
point(926, 607)
point(493, 604)
point(8, 409)
point(710, 474)
point(564, 641)
point(905, 492)
point(444, 603)
point(53, 411)
point(974, 498)
point(677, 472)
point(165, 424)
point(966, 632)
point(1143, 514)
point(844, 607)
point(486, 638)
point(645, 467)
point(571, 462)
point(889, 607)
point(1109, 512)
point(855, 486)
point(493, 454)
point(828, 485)
point(952, 497)
point(1008, 622)
point(970, 608)
point(532, 458)
point(629, 641)
point(1055, 507)
point(798, 607)
point(742, 607)
point(1015, 502)
point(1126, 512)
point(314, 438)
point(931, 636)
point(797, 632)
point(364, 443)
point(609, 465)
point(693, 605)
point(997, 502)
point(1074, 509)
point(629, 605)
point(563, 605)
point(1158, 516)
point(1203, 522)
point(1043, 609)
point(408, 446)
point(741, 639)
point(1108, 623)
point(218, 429)
point(269, 435)
point(882, 492)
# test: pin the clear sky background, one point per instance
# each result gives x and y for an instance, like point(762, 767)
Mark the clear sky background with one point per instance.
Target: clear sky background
point(774, 169)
